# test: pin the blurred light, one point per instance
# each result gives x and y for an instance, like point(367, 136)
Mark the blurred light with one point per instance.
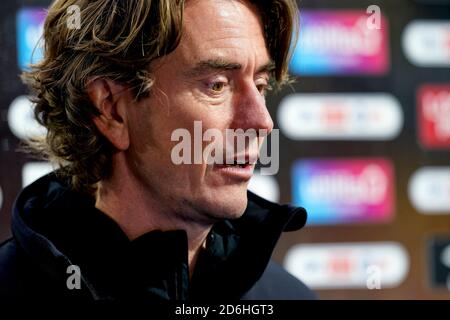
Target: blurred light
point(29, 26)
point(265, 186)
point(21, 120)
point(348, 265)
point(32, 171)
point(345, 191)
point(426, 43)
point(340, 42)
point(429, 190)
point(433, 116)
point(374, 116)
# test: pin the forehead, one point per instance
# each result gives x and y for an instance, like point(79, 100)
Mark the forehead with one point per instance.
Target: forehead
point(222, 29)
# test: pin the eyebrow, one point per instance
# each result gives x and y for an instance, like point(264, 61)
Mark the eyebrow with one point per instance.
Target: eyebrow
point(209, 65)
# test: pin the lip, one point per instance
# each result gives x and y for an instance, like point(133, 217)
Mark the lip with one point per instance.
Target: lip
point(241, 158)
point(236, 172)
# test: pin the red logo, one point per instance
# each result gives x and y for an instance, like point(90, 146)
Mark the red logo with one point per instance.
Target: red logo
point(433, 116)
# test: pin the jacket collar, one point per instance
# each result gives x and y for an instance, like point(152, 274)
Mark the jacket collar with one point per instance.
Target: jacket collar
point(58, 227)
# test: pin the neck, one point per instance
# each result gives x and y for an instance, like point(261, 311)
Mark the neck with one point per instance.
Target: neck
point(124, 200)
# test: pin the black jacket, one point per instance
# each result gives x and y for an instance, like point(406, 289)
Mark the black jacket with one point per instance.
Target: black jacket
point(55, 227)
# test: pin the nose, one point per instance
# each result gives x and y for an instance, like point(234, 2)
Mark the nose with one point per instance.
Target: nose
point(250, 111)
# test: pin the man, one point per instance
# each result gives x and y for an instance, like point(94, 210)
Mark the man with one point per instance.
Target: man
point(119, 219)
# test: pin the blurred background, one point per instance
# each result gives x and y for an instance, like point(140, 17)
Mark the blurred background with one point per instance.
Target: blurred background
point(364, 143)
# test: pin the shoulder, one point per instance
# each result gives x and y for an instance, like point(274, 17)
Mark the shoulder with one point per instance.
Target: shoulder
point(10, 259)
point(10, 265)
point(278, 284)
point(18, 274)
point(12, 268)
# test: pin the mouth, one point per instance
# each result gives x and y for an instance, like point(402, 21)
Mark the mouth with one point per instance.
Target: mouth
point(237, 168)
point(236, 164)
point(240, 160)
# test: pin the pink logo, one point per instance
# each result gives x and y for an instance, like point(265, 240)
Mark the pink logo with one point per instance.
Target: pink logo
point(345, 190)
point(341, 42)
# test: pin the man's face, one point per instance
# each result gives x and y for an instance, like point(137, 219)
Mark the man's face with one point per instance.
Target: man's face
point(217, 75)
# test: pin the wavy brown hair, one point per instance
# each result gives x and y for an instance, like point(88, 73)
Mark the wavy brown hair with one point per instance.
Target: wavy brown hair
point(117, 39)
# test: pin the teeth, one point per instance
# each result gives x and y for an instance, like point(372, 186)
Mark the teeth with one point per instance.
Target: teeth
point(242, 165)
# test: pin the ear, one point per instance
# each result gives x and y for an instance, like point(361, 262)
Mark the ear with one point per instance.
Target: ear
point(111, 100)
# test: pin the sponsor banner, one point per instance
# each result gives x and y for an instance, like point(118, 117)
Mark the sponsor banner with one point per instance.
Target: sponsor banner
point(439, 262)
point(433, 116)
point(338, 191)
point(21, 120)
point(429, 190)
point(32, 171)
point(351, 116)
point(29, 26)
point(426, 43)
point(264, 186)
point(370, 265)
point(341, 42)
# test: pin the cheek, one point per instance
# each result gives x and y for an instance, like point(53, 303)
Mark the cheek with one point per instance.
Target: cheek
point(141, 133)
point(158, 117)
point(149, 137)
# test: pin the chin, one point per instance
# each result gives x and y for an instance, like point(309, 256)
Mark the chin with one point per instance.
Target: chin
point(226, 204)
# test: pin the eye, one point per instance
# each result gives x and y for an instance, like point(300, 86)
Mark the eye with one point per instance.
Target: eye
point(262, 84)
point(263, 88)
point(217, 86)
